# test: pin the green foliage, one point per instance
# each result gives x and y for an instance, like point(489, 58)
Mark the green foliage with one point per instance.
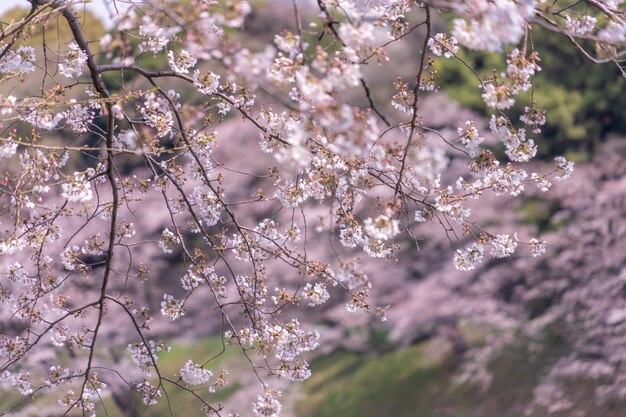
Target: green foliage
point(460, 82)
point(57, 35)
point(585, 101)
point(56, 32)
point(539, 212)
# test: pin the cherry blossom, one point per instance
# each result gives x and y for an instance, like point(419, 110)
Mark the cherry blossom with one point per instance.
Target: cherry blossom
point(149, 142)
point(75, 61)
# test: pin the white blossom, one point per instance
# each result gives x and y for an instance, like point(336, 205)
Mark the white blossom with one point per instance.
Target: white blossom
point(504, 245)
point(149, 393)
point(543, 184)
point(497, 97)
point(157, 37)
point(8, 148)
point(78, 117)
point(537, 247)
point(470, 137)
point(7, 104)
point(267, 405)
point(468, 258)
point(20, 61)
point(614, 33)
point(580, 25)
point(74, 62)
point(77, 188)
point(172, 308)
point(565, 168)
point(382, 227)
point(493, 24)
point(442, 45)
point(419, 216)
point(207, 204)
point(193, 374)
point(316, 294)
point(168, 239)
point(206, 83)
point(181, 61)
point(351, 236)
point(157, 114)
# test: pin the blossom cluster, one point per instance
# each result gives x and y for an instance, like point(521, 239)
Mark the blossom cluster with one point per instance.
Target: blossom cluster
point(335, 165)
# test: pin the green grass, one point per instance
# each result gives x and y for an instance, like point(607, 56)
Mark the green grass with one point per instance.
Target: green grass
point(347, 384)
point(419, 382)
point(414, 382)
point(182, 403)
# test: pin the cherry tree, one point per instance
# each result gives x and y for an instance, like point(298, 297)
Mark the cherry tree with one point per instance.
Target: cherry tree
point(340, 169)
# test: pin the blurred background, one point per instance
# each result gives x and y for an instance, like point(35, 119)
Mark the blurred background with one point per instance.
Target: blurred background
point(442, 352)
